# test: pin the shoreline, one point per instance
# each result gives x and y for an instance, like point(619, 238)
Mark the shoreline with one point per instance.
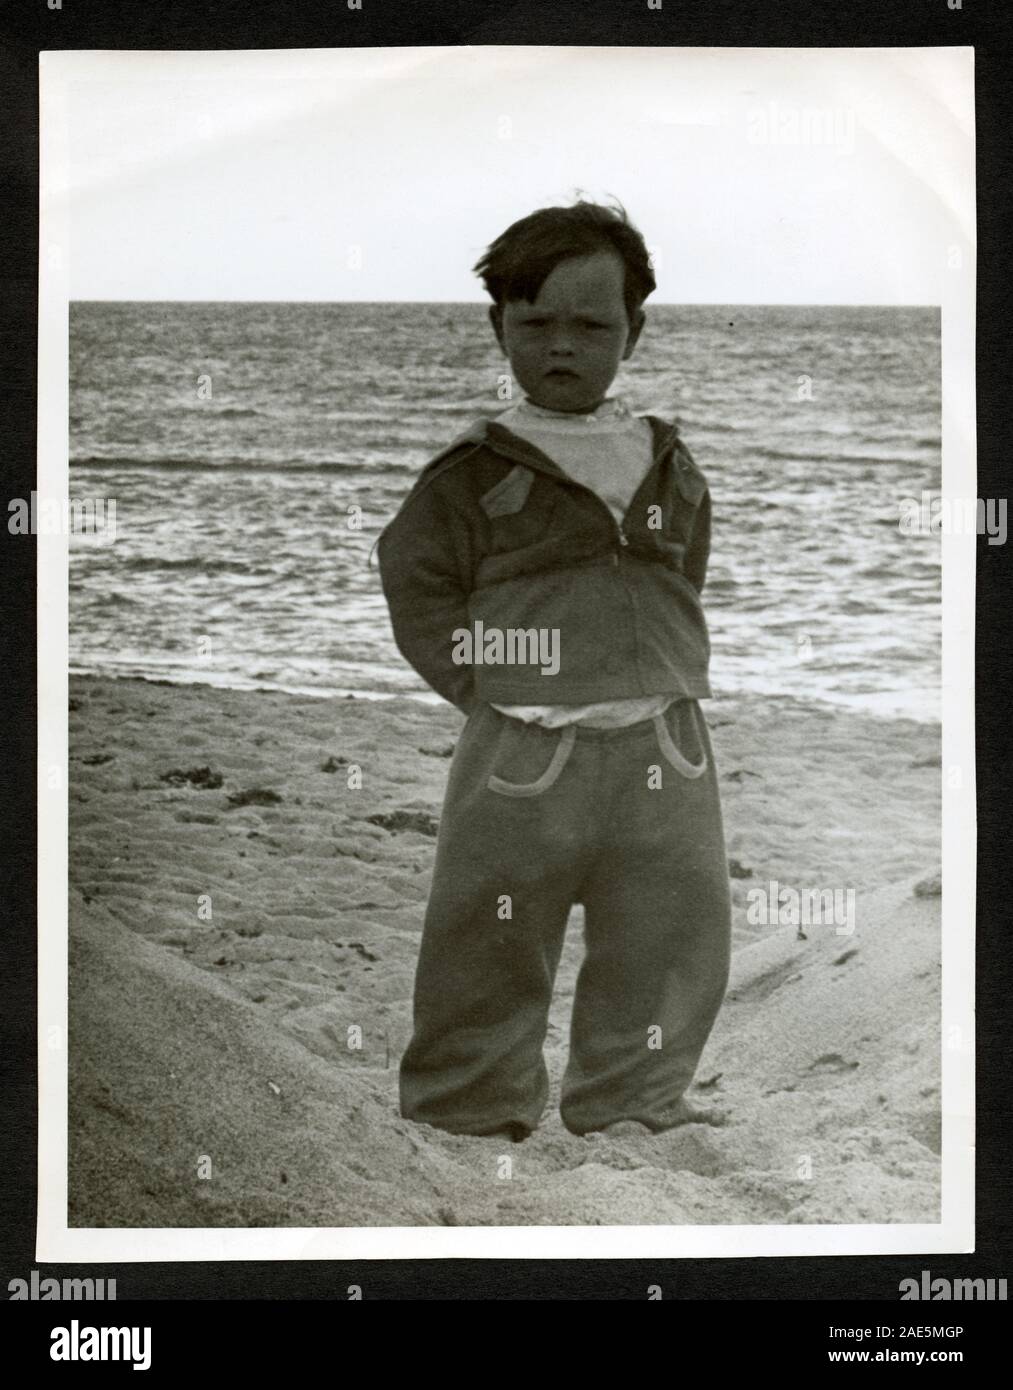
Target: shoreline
point(228, 928)
point(431, 699)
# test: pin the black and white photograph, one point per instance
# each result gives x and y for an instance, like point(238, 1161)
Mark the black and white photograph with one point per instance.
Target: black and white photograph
point(506, 526)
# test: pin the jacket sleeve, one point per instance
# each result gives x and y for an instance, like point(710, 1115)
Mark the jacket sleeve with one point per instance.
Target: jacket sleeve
point(698, 550)
point(427, 562)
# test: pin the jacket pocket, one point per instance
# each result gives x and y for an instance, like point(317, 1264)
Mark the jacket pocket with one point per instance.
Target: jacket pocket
point(508, 496)
point(518, 513)
point(681, 718)
point(525, 751)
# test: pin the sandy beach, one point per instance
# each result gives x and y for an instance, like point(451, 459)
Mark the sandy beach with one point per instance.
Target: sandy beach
point(236, 908)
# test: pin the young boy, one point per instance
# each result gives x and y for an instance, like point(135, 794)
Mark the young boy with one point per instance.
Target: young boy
point(544, 575)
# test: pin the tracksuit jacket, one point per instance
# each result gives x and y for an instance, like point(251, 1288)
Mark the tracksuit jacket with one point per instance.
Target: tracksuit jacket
point(495, 532)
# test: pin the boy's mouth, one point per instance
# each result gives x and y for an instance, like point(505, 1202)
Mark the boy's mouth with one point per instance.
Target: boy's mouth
point(561, 374)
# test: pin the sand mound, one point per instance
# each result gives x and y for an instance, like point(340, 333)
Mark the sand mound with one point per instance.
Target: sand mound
point(190, 1108)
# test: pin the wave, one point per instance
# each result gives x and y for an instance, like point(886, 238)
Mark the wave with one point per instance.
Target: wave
point(193, 563)
point(710, 426)
point(836, 430)
point(233, 465)
point(835, 456)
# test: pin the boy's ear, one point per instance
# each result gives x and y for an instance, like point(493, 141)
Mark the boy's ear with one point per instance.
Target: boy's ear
point(496, 319)
point(636, 327)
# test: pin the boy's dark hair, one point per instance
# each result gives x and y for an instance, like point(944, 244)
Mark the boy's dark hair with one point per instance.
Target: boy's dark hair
point(517, 263)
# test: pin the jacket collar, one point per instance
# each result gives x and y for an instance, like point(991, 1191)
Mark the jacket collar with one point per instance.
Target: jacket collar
point(503, 441)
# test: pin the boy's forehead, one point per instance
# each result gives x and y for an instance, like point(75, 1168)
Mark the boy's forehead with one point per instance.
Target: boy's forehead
point(579, 282)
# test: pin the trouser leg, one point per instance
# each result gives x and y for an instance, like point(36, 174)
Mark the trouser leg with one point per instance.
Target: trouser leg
point(657, 916)
point(507, 865)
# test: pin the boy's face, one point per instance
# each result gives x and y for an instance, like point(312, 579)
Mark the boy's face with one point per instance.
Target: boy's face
point(565, 349)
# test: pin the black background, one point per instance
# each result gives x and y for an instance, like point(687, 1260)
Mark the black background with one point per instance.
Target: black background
point(29, 26)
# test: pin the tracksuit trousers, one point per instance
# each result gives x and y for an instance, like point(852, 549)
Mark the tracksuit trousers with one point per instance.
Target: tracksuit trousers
point(626, 822)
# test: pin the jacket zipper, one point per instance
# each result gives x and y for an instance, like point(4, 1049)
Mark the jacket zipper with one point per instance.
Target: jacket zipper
point(619, 527)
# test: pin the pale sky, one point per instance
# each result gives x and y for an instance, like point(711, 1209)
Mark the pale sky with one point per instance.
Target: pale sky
point(756, 175)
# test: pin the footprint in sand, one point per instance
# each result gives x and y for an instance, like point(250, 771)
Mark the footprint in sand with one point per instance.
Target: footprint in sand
point(256, 796)
point(201, 777)
point(394, 821)
point(833, 1062)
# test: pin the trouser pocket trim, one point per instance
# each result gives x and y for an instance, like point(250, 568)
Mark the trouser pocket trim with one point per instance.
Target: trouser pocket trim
point(667, 746)
point(551, 774)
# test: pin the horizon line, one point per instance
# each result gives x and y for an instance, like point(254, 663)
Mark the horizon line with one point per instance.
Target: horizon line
point(456, 303)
